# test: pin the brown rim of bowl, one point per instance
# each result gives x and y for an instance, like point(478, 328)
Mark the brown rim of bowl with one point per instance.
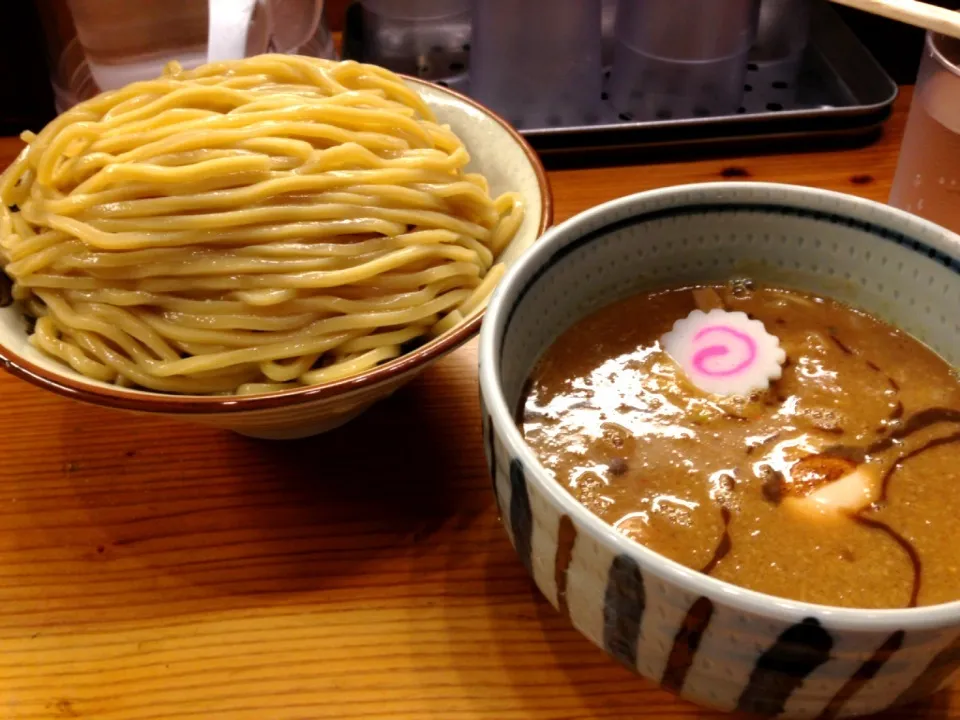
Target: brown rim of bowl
point(189, 404)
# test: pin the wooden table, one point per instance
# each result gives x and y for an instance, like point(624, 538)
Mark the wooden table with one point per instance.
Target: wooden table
point(157, 571)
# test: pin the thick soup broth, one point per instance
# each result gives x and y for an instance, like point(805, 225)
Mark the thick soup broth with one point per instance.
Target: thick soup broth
point(837, 484)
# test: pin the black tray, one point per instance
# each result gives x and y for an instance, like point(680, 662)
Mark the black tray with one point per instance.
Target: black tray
point(842, 94)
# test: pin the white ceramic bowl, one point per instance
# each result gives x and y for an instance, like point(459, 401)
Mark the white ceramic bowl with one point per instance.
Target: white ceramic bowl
point(713, 643)
point(497, 151)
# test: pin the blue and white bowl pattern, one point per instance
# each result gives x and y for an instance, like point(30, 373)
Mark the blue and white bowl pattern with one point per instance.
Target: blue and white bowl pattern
point(711, 642)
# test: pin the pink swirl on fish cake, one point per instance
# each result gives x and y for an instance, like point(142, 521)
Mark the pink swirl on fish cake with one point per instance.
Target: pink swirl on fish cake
point(701, 357)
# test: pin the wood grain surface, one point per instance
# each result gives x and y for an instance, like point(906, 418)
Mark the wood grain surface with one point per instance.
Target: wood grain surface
point(156, 571)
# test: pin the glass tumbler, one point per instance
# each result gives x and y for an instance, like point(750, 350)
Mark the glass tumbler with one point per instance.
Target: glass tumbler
point(783, 31)
point(539, 67)
point(927, 180)
point(96, 45)
point(429, 39)
point(681, 58)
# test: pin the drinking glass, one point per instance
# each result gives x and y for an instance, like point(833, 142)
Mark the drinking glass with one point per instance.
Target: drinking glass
point(681, 58)
point(783, 30)
point(96, 45)
point(538, 68)
point(927, 181)
point(429, 39)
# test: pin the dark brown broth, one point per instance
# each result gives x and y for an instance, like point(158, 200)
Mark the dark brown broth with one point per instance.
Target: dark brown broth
point(724, 485)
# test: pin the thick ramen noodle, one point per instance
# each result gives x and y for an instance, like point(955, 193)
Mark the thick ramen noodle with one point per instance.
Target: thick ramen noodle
point(247, 227)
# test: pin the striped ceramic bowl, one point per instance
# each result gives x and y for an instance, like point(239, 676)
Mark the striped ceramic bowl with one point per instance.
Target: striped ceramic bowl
point(713, 643)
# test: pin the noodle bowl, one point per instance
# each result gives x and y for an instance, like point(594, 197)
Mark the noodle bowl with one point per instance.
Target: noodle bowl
point(248, 227)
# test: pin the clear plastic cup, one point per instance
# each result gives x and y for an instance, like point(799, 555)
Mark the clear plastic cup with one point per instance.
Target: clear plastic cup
point(608, 25)
point(783, 30)
point(927, 181)
point(538, 66)
point(300, 27)
point(681, 58)
point(96, 45)
point(424, 38)
point(126, 42)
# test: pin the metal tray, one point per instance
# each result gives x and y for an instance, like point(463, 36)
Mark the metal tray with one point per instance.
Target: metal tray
point(842, 94)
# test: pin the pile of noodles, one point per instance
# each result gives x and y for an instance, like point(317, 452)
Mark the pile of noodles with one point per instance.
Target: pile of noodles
point(247, 227)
